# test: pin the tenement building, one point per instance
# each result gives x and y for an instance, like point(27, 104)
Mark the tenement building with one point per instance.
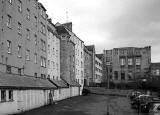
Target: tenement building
point(67, 59)
point(88, 67)
point(23, 55)
point(91, 49)
point(79, 55)
point(23, 37)
point(127, 64)
point(98, 70)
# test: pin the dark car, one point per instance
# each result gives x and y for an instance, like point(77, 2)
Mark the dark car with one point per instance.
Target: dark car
point(134, 94)
point(146, 106)
point(136, 103)
point(154, 108)
point(85, 91)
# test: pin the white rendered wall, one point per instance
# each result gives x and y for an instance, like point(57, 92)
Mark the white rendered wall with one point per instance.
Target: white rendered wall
point(24, 100)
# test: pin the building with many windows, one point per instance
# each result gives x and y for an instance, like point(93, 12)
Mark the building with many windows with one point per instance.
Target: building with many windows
point(91, 49)
point(127, 64)
point(79, 55)
point(88, 67)
point(23, 37)
point(98, 70)
point(67, 60)
point(23, 56)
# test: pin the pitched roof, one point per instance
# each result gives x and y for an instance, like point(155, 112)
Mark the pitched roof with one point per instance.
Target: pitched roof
point(59, 83)
point(61, 29)
point(23, 82)
point(100, 56)
point(155, 65)
point(90, 48)
point(72, 83)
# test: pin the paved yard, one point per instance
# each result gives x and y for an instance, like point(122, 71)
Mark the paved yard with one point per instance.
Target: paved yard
point(87, 105)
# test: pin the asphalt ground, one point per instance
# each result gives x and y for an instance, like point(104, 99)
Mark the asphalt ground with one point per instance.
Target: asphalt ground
point(87, 105)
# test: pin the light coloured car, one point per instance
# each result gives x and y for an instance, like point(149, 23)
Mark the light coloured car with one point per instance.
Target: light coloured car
point(155, 109)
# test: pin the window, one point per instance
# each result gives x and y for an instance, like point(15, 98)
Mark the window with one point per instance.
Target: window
point(27, 55)
point(48, 63)
point(35, 4)
point(116, 75)
point(53, 51)
point(35, 58)
point(43, 61)
point(28, 34)
point(43, 45)
point(19, 51)
point(36, 21)
point(122, 76)
point(19, 71)
point(53, 64)
point(35, 39)
point(9, 46)
point(122, 61)
point(157, 72)
point(28, 14)
point(10, 95)
point(9, 21)
point(10, 1)
point(20, 6)
point(43, 29)
point(138, 61)
point(130, 61)
point(48, 77)
point(48, 49)
point(8, 69)
point(19, 28)
point(43, 76)
point(35, 74)
point(3, 95)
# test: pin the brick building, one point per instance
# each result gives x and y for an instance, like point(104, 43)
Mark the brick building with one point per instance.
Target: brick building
point(127, 64)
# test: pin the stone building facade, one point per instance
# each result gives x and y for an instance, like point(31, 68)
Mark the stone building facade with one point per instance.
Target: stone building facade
point(91, 49)
point(53, 51)
point(127, 64)
point(79, 54)
point(98, 70)
point(67, 55)
point(88, 67)
point(23, 37)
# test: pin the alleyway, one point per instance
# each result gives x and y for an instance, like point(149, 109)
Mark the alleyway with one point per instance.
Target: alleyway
point(87, 105)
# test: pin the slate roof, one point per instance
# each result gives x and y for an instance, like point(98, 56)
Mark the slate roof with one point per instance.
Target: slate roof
point(90, 48)
point(59, 83)
point(155, 65)
point(72, 83)
point(23, 82)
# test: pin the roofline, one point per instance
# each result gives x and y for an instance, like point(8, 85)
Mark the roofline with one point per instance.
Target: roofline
point(71, 31)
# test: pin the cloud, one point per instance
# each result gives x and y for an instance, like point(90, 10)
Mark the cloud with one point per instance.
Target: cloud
point(111, 23)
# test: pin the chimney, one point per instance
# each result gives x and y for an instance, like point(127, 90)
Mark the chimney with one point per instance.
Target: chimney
point(68, 25)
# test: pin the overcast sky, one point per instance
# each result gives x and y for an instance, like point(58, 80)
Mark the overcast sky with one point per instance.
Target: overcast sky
point(111, 23)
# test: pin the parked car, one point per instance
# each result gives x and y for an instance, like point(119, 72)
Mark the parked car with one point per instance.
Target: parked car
point(146, 105)
point(85, 91)
point(134, 94)
point(138, 101)
point(154, 108)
